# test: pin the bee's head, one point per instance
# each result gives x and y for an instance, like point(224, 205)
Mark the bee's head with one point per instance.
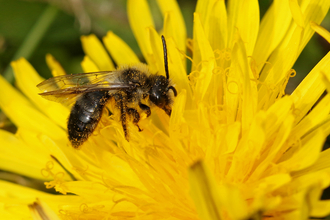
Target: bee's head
point(159, 93)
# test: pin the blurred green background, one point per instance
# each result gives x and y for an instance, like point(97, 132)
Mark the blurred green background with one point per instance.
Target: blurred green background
point(33, 28)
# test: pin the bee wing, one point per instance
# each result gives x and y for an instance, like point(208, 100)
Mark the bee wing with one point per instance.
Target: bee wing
point(76, 80)
point(66, 88)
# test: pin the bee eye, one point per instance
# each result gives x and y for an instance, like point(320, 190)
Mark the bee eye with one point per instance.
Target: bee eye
point(158, 99)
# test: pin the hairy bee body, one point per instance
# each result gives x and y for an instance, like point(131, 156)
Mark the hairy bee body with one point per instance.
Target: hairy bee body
point(87, 111)
point(134, 89)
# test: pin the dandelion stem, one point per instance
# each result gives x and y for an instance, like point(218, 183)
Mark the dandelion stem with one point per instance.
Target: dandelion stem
point(33, 38)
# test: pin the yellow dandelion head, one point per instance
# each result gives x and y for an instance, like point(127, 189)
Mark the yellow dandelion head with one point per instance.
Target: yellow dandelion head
point(234, 147)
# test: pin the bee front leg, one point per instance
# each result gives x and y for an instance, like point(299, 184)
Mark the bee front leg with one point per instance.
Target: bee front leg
point(136, 117)
point(145, 108)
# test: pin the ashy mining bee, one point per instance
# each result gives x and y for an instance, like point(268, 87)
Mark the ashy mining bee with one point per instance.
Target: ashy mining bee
point(130, 87)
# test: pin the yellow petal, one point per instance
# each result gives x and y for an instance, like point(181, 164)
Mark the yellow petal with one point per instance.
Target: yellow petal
point(302, 195)
point(95, 50)
point(277, 114)
point(170, 32)
point(175, 26)
point(157, 50)
point(55, 66)
point(283, 58)
point(322, 163)
point(234, 130)
point(119, 50)
point(23, 114)
point(13, 157)
point(273, 28)
point(27, 79)
point(315, 117)
point(203, 8)
point(296, 13)
point(240, 66)
point(310, 89)
point(321, 209)
point(177, 71)
point(88, 65)
point(276, 74)
point(176, 121)
point(268, 184)
point(8, 93)
point(313, 11)
point(58, 149)
point(94, 191)
point(8, 213)
point(251, 144)
point(307, 155)
point(16, 198)
point(326, 80)
point(218, 33)
point(243, 16)
point(116, 169)
point(278, 122)
point(202, 53)
point(296, 36)
point(321, 31)
point(40, 211)
point(231, 96)
point(139, 23)
point(214, 201)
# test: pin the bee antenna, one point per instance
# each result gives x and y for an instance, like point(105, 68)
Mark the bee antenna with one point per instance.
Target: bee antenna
point(165, 57)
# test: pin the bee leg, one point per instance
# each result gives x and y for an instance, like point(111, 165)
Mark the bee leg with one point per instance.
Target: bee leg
point(145, 108)
point(136, 117)
point(168, 111)
point(121, 100)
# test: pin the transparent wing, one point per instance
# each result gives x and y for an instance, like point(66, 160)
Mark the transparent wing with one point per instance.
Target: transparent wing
point(66, 88)
point(76, 80)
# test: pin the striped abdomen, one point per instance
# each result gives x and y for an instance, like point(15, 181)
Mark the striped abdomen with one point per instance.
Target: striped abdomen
point(85, 115)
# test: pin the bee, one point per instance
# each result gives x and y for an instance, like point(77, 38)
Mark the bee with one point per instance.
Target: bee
point(132, 88)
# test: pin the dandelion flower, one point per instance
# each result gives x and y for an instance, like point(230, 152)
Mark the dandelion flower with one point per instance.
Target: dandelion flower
point(235, 147)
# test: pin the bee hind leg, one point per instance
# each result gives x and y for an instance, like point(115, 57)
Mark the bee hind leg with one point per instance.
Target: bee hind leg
point(136, 117)
point(121, 98)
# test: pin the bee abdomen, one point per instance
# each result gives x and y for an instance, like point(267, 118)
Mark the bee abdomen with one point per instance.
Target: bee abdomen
point(85, 115)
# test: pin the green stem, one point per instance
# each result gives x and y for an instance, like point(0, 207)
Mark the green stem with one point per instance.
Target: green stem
point(33, 38)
